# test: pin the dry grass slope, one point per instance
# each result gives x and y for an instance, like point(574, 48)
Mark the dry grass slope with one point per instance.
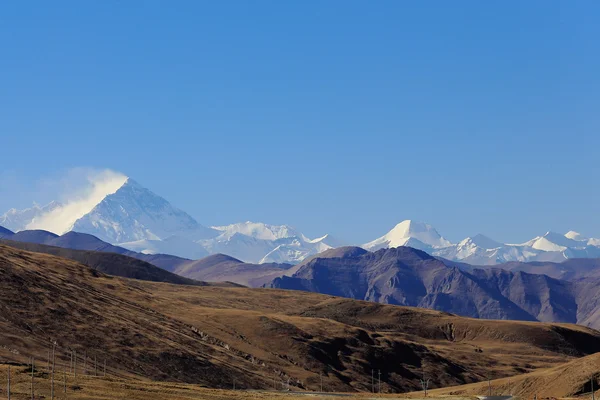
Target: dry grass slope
point(258, 337)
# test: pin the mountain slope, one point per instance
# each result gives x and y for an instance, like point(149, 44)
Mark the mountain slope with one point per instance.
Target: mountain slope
point(212, 335)
point(407, 276)
point(568, 380)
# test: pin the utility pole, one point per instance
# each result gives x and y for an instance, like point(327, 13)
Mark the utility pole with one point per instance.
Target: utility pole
point(95, 365)
point(489, 386)
point(104, 373)
point(379, 381)
point(32, 369)
point(425, 384)
point(8, 387)
point(321, 376)
point(75, 364)
point(372, 381)
point(52, 376)
point(592, 382)
point(65, 381)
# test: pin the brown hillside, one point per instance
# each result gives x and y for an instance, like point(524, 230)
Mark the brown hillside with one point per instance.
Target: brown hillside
point(212, 335)
point(568, 380)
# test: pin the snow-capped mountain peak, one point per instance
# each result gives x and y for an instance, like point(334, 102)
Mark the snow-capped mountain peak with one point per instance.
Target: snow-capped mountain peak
point(406, 230)
point(481, 241)
point(260, 243)
point(18, 220)
point(552, 241)
point(575, 236)
point(134, 213)
point(258, 230)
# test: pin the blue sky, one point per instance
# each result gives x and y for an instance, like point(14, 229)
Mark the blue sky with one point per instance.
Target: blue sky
point(338, 116)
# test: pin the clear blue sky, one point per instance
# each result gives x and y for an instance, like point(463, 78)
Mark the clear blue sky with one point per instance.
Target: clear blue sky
point(332, 116)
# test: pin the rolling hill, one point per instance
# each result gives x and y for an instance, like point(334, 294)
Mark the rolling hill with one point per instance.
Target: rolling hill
point(212, 335)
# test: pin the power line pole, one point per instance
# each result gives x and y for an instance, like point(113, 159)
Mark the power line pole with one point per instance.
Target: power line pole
point(65, 380)
point(32, 369)
point(379, 381)
point(321, 376)
point(52, 376)
point(489, 386)
point(372, 381)
point(425, 384)
point(8, 387)
point(592, 382)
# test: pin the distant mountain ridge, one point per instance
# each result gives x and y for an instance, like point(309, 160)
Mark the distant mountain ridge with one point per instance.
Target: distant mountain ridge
point(133, 217)
point(482, 250)
point(411, 277)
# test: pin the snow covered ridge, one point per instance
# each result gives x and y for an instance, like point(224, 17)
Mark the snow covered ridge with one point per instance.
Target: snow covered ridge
point(133, 217)
point(481, 250)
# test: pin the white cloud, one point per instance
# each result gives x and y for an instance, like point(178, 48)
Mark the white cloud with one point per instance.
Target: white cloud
point(83, 189)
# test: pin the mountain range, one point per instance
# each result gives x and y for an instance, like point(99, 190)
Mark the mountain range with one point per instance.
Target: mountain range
point(411, 277)
point(482, 250)
point(135, 218)
point(533, 291)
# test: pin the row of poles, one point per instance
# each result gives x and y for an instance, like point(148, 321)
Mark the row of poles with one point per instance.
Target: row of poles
point(51, 368)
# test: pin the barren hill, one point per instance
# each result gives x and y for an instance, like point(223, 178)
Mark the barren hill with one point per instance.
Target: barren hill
point(259, 337)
